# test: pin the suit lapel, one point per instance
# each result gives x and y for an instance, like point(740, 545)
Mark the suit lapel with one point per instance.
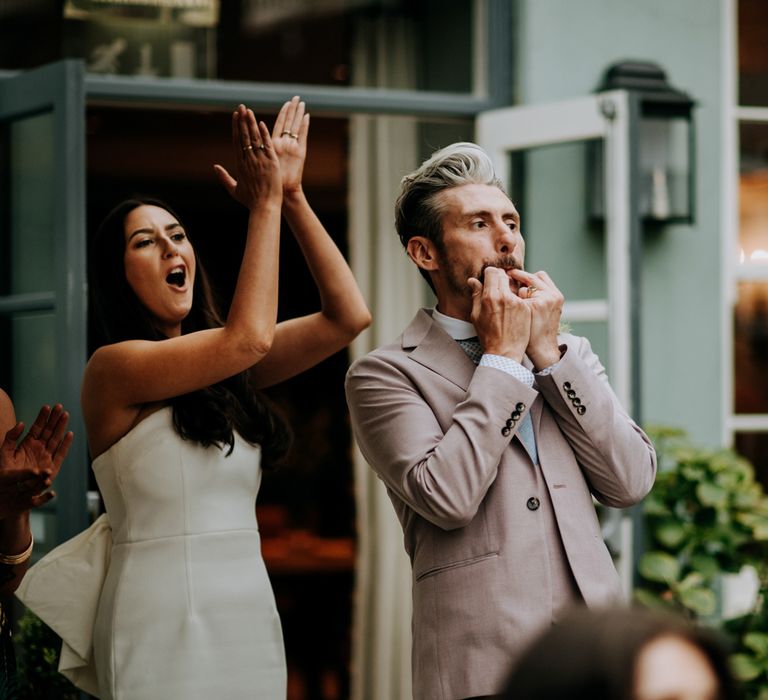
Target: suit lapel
point(435, 349)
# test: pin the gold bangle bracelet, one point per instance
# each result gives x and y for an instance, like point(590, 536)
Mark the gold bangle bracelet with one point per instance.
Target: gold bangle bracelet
point(15, 559)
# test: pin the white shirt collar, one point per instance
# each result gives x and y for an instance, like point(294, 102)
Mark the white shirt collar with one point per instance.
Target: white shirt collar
point(455, 327)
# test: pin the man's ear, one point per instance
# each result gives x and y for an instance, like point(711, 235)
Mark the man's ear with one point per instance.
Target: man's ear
point(423, 252)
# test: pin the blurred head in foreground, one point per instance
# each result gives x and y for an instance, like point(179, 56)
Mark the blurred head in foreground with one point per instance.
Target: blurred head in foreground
point(622, 654)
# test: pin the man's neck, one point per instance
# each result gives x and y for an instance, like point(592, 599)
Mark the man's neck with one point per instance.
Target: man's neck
point(457, 328)
point(453, 310)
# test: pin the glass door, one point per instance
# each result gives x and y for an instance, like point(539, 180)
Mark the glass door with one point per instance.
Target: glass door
point(577, 225)
point(42, 268)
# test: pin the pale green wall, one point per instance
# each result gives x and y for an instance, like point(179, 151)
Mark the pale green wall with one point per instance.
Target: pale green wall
point(563, 48)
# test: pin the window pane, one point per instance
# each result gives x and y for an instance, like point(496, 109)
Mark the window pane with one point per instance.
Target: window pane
point(753, 52)
point(754, 447)
point(753, 194)
point(29, 266)
point(424, 45)
point(750, 353)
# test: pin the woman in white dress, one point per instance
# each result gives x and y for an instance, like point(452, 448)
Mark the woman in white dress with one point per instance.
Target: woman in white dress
point(177, 600)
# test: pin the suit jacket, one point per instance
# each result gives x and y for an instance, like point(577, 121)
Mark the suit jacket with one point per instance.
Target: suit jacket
point(440, 433)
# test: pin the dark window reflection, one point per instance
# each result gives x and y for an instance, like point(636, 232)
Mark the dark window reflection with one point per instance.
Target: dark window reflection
point(751, 348)
point(753, 52)
point(754, 447)
point(409, 44)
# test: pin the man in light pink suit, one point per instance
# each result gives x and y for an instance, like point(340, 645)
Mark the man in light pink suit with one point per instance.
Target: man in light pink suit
point(492, 432)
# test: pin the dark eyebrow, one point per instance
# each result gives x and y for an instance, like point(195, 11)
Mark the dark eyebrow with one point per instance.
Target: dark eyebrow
point(485, 214)
point(169, 227)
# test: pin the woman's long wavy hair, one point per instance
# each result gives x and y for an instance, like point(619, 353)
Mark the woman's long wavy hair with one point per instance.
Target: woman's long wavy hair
point(211, 415)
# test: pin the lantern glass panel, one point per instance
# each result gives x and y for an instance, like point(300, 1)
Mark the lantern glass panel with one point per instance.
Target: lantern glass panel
point(665, 168)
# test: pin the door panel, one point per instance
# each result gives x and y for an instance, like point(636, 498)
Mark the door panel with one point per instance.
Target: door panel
point(42, 267)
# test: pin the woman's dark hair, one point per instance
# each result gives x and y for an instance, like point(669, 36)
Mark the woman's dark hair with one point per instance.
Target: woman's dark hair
point(594, 654)
point(210, 415)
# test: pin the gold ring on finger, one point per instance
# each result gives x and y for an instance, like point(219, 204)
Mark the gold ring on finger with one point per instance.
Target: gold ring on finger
point(532, 290)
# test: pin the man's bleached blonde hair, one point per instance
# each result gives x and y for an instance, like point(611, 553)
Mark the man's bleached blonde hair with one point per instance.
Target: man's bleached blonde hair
point(418, 209)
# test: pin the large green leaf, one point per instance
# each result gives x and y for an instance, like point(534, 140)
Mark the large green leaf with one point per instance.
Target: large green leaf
point(706, 565)
point(711, 494)
point(701, 600)
point(650, 599)
point(691, 580)
point(670, 533)
point(744, 668)
point(659, 566)
point(757, 642)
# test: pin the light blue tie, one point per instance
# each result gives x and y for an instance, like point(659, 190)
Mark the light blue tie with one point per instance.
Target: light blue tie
point(474, 351)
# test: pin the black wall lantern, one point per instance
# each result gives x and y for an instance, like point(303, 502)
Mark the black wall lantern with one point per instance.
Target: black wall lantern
point(662, 140)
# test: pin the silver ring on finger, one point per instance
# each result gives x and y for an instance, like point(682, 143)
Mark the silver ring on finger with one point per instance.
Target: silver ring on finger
point(247, 148)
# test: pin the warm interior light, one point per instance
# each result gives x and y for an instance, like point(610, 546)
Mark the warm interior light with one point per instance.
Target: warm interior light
point(179, 4)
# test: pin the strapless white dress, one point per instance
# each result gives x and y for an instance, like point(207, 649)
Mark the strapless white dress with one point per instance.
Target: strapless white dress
point(167, 596)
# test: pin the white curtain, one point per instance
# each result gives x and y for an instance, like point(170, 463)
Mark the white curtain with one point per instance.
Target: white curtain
point(382, 150)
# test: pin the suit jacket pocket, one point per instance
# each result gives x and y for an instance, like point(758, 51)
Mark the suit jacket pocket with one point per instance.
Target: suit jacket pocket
point(455, 565)
point(442, 550)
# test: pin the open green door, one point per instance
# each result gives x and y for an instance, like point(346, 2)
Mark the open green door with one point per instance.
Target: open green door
point(43, 327)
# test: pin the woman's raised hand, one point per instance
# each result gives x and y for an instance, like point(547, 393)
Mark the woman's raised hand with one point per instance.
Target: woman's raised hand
point(289, 135)
point(27, 468)
point(257, 165)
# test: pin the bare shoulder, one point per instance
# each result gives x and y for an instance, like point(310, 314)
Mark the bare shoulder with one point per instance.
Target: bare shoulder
point(107, 363)
point(107, 417)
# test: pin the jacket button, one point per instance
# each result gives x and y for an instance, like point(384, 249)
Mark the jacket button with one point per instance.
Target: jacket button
point(510, 423)
point(576, 401)
point(505, 431)
point(581, 410)
point(533, 503)
point(570, 393)
point(520, 406)
point(515, 415)
point(566, 385)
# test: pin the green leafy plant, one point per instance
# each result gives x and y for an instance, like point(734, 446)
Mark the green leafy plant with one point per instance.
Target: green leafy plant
point(37, 650)
point(705, 517)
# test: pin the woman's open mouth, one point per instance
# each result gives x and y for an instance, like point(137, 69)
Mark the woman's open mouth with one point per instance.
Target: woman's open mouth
point(177, 277)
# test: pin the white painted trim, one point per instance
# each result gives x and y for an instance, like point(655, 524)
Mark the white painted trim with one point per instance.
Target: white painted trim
point(749, 423)
point(729, 222)
point(587, 310)
point(500, 131)
point(746, 114)
point(617, 230)
point(744, 272)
